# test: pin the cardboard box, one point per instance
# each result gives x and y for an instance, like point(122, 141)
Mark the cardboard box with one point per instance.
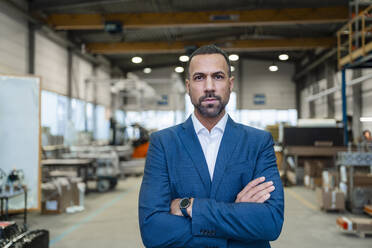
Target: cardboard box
point(330, 180)
point(74, 181)
point(312, 182)
point(313, 168)
point(331, 200)
point(66, 195)
point(51, 200)
point(56, 196)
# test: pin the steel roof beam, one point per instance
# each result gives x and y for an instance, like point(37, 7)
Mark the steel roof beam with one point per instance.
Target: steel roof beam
point(201, 19)
point(233, 45)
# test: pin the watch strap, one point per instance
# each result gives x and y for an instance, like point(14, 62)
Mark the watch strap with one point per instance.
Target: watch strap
point(184, 212)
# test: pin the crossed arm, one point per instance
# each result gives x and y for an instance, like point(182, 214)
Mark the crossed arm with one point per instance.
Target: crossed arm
point(256, 191)
point(256, 214)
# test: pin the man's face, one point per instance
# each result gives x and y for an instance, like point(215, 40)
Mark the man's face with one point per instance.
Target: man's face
point(209, 85)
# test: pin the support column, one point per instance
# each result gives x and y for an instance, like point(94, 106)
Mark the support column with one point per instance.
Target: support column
point(298, 98)
point(31, 48)
point(344, 106)
point(357, 106)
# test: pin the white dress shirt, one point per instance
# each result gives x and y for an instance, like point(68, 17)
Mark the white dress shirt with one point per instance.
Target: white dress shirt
point(210, 141)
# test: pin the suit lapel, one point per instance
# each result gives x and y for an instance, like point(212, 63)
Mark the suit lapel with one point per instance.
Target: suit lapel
point(227, 147)
point(194, 149)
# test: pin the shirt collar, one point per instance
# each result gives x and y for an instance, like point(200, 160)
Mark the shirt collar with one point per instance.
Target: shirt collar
point(221, 124)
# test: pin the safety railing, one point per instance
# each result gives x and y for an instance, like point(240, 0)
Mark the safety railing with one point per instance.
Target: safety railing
point(354, 40)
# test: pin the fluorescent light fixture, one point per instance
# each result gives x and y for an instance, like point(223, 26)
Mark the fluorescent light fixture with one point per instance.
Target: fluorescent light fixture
point(232, 68)
point(179, 69)
point(147, 70)
point(184, 58)
point(273, 68)
point(366, 119)
point(136, 60)
point(283, 57)
point(234, 57)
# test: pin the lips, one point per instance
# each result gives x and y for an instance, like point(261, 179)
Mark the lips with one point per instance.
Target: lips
point(209, 100)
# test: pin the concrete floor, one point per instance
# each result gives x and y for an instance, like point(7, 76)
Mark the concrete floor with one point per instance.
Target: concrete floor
point(110, 220)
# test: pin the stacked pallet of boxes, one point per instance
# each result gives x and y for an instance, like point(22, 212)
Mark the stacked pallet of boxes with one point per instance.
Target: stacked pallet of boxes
point(330, 197)
point(313, 173)
point(60, 194)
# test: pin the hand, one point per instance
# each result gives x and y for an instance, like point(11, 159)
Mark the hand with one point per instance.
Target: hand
point(175, 207)
point(256, 191)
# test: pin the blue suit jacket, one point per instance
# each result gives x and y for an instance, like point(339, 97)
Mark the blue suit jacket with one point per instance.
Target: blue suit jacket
point(176, 168)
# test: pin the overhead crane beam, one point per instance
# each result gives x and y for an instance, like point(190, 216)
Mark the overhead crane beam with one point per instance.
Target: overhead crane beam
point(201, 19)
point(233, 45)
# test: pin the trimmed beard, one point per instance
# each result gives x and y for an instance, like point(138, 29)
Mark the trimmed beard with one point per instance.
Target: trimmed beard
point(206, 109)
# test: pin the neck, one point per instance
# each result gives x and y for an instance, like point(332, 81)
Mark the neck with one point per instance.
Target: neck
point(209, 122)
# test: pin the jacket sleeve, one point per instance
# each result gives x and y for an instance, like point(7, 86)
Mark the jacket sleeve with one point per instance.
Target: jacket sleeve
point(244, 221)
point(158, 227)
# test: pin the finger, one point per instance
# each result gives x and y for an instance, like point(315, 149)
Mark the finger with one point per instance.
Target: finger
point(261, 193)
point(259, 188)
point(250, 185)
point(263, 188)
point(264, 198)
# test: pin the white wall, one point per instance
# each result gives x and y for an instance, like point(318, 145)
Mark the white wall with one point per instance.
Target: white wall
point(103, 89)
point(278, 86)
point(51, 64)
point(81, 70)
point(13, 45)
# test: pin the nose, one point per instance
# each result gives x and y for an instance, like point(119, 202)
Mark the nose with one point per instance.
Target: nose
point(209, 84)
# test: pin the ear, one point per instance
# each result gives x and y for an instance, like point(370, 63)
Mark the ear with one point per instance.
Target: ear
point(187, 84)
point(231, 83)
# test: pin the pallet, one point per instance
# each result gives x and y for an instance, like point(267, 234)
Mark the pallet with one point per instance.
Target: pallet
point(360, 234)
point(358, 226)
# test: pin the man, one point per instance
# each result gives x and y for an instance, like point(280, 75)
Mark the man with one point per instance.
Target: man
point(210, 182)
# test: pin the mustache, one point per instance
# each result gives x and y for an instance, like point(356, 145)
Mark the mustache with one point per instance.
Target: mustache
point(209, 95)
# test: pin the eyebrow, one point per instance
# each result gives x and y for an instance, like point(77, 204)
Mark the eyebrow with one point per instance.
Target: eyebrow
point(202, 73)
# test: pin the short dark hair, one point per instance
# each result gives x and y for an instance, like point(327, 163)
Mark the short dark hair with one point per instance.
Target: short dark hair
point(209, 49)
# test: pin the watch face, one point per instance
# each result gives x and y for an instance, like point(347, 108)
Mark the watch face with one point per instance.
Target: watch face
point(184, 203)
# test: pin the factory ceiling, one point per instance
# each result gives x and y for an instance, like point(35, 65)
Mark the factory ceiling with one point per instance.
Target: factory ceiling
point(161, 30)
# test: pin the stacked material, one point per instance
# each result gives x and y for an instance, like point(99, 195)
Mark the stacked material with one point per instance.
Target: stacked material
point(59, 195)
point(359, 226)
point(330, 197)
point(313, 173)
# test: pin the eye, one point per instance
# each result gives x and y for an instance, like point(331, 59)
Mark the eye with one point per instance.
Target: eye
point(198, 77)
point(219, 76)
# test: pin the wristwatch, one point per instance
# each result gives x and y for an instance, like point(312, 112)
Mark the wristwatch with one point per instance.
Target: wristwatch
point(184, 204)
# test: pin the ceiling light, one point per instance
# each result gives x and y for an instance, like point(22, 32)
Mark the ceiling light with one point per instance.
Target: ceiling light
point(234, 57)
point(184, 58)
point(147, 70)
point(366, 119)
point(179, 69)
point(273, 68)
point(136, 60)
point(232, 68)
point(283, 57)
